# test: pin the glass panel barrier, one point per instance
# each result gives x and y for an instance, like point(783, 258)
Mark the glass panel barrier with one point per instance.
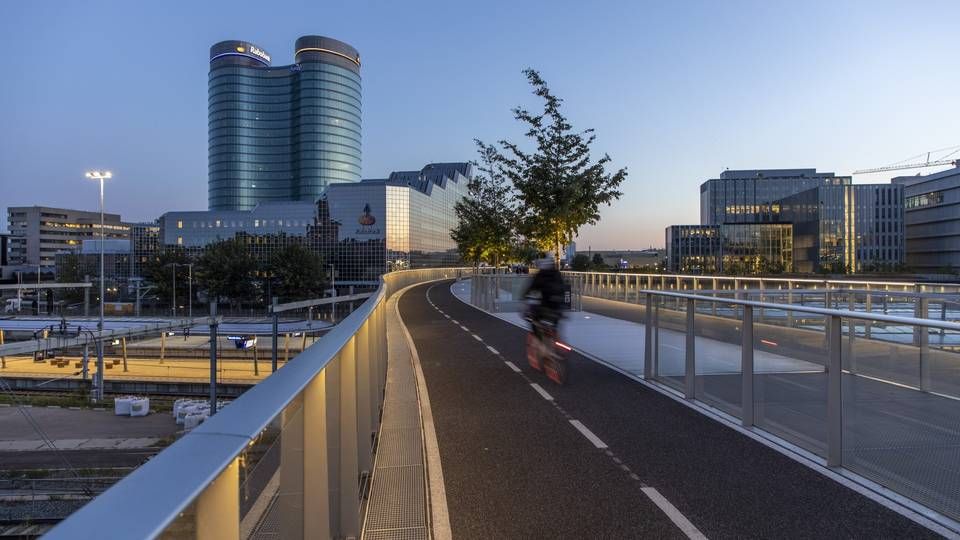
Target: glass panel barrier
point(903, 437)
point(719, 371)
point(669, 341)
point(790, 380)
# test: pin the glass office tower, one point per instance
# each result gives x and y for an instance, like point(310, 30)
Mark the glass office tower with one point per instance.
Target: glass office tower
point(282, 133)
point(750, 196)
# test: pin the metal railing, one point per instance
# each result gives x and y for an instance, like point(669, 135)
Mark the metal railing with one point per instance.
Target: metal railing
point(505, 292)
point(294, 450)
point(888, 412)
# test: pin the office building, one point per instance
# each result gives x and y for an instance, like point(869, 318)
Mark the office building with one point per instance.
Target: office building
point(732, 248)
point(361, 229)
point(4, 239)
point(750, 196)
point(847, 228)
point(39, 233)
point(84, 262)
point(282, 133)
point(144, 245)
point(932, 221)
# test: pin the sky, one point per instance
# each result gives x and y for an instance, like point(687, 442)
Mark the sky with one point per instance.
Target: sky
point(676, 91)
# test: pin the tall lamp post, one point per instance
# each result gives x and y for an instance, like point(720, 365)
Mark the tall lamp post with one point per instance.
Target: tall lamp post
point(101, 176)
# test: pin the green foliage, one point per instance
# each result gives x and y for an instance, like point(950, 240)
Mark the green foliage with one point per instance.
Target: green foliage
point(297, 273)
point(159, 270)
point(226, 270)
point(597, 261)
point(486, 217)
point(70, 271)
point(580, 263)
point(559, 187)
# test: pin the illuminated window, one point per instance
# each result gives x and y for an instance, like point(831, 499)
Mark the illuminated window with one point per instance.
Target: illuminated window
point(179, 224)
point(179, 240)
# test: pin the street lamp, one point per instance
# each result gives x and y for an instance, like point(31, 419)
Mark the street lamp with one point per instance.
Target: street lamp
point(101, 176)
point(189, 287)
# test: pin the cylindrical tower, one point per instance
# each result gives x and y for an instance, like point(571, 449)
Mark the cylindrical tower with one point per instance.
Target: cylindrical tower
point(282, 133)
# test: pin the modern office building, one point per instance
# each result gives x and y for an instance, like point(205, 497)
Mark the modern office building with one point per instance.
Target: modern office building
point(144, 245)
point(847, 228)
point(39, 233)
point(361, 229)
point(732, 248)
point(932, 221)
point(85, 261)
point(282, 133)
point(749, 196)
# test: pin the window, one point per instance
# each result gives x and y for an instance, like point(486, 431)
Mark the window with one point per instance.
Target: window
point(927, 199)
point(179, 240)
point(179, 224)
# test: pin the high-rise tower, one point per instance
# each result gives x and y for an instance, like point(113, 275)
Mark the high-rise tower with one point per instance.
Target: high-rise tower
point(282, 133)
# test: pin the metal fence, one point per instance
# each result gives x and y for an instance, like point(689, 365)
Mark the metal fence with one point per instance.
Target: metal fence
point(887, 411)
point(295, 449)
point(505, 292)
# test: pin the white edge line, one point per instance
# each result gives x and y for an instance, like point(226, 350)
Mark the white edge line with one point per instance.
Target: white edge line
point(675, 516)
point(491, 349)
point(883, 496)
point(543, 393)
point(439, 512)
point(512, 366)
point(588, 434)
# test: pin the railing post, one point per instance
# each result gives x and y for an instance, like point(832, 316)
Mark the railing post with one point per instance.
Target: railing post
point(868, 307)
point(924, 338)
point(316, 463)
point(834, 395)
point(851, 350)
point(648, 339)
point(746, 367)
point(365, 426)
point(291, 502)
point(273, 349)
point(690, 371)
point(218, 507)
point(349, 465)
point(213, 358)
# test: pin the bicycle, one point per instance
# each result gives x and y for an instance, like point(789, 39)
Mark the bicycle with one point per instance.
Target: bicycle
point(547, 354)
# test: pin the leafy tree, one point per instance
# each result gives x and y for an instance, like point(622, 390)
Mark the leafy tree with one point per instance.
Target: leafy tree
point(597, 261)
point(158, 271)
point(559, 187)
point(486, 218)
point(298, 273)
point(70, 270)
point(226, 270)
point(581, 263)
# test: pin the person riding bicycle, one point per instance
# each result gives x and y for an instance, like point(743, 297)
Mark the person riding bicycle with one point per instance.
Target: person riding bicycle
point(547, 287)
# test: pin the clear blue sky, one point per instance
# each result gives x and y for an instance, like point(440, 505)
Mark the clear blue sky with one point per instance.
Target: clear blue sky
point(677, 91)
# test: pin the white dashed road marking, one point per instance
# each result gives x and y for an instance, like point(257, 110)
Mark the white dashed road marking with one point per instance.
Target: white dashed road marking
point(478, 338)
point(675, 516)
point(491, 349)
point(512, 366)
point(543, 393)
point(465, 329)
point(588, 434)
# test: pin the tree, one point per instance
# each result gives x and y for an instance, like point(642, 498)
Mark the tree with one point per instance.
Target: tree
point(159, 269)
point(298, 273)
point(226, 271)
point(581, 262)
point(559, 187)
point(597, 262)
point(70, 270)
point(486, 217)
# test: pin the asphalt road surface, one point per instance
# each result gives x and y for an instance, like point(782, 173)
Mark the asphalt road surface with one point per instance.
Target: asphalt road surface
point(584, 463)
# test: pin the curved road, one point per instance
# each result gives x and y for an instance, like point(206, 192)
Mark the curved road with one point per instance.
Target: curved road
point(603, 456)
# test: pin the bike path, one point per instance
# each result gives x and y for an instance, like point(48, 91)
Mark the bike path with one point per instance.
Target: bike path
point(494, 430)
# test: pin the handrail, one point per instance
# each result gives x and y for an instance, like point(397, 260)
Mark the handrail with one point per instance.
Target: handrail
point(933, 323)
point(146, 502)
point(768, 279)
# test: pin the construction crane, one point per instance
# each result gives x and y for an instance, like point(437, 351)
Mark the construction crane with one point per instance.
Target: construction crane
point(901, 165)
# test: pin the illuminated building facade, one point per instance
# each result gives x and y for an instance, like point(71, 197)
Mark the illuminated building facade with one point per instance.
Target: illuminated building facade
point(39, 233)
point(282, 133)
point(932, 221)
point(750, 196)
point(360, 229)
point(847, 228)
point(732, 248)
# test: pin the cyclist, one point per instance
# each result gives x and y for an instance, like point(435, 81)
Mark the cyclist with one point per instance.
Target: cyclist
point(547, 286)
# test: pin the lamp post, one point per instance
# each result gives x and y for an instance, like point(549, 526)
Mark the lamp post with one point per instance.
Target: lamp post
point(189, 288)
point(101, 176)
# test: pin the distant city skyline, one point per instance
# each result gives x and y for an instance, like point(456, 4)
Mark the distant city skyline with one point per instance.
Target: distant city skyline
point(676, 93)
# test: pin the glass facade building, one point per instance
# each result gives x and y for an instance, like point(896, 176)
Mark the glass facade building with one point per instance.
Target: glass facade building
point(282, 133)
point(851, 228)
point(361, 229)
point(733, 248)
point(750, 196)
point(932, 221)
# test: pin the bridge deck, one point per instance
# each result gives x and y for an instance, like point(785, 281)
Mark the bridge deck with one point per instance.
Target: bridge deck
point(603, 456)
